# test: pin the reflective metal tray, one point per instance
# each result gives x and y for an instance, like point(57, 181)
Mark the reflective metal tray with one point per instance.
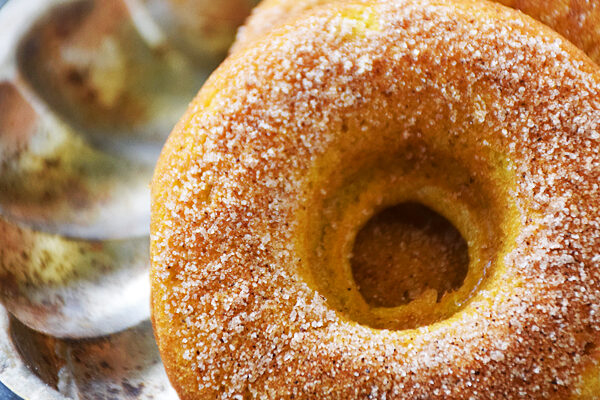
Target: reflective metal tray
point(89, 90)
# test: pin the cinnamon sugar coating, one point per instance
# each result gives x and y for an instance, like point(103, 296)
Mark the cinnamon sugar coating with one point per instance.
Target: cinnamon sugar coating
point(577, 20)
point(472, 109)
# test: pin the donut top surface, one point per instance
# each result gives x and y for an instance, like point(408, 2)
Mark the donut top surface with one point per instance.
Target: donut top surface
point(472, 109)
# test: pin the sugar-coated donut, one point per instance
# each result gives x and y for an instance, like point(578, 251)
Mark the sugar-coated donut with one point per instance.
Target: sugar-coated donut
point(395, 259)
point(474, 110)
point(577, 20)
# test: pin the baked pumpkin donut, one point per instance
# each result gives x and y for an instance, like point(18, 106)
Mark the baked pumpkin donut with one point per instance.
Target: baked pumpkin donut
point(577, 20)
point(395, 260)
point(471, 109)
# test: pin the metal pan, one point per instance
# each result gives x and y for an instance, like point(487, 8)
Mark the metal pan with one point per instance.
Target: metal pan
point(89, 90)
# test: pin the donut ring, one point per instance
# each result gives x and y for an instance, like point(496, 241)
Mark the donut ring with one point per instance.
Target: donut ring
point(403, 236)
point(296, 140)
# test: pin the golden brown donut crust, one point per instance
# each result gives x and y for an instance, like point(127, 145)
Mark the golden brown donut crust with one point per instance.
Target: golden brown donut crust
point(384, 90)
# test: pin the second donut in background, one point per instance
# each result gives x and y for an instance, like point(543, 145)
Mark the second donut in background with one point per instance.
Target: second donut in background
point(577, 20)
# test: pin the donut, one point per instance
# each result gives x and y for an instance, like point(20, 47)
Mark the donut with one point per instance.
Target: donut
point(379, 258)
point(471, 109)
point(577, 20)
point(398, 238)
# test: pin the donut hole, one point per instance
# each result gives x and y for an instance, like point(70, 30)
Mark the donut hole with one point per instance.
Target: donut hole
point(405, 252)
point(406, 238)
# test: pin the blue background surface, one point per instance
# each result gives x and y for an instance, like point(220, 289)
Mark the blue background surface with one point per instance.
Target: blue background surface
point(6, 394)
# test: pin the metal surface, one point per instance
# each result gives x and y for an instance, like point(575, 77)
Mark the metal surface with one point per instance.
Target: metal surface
point(89, 90)
point(124, 365)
